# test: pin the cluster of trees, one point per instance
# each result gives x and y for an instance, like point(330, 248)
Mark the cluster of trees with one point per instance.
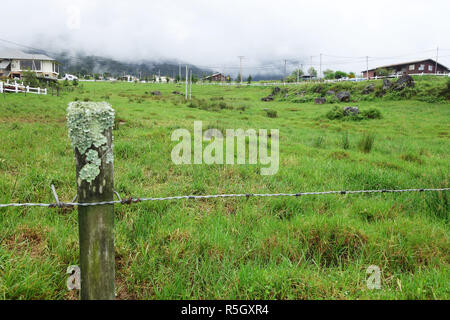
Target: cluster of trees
point(330, 74)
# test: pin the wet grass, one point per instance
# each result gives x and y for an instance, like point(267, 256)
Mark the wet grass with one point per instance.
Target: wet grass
point(269, 248)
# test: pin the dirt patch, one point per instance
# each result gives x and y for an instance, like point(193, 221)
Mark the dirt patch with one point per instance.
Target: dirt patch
point(28, 239)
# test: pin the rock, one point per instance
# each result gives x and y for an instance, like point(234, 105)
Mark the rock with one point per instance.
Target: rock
point(368, 89)
point(275, 91)
point(351, 110)
point(156, 93)
point(177, 92)
point(320, 100)
point(343, 96)
point(268, 98)
point(286, 95)
point(405, 81)
point(331, 92)
point(386, 84)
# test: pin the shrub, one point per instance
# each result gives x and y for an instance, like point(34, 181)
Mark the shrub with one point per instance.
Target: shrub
point(371, 113)
point(366, 142)
point(339, 113)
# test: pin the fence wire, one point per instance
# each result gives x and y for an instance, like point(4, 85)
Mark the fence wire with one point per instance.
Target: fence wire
point(131, 200)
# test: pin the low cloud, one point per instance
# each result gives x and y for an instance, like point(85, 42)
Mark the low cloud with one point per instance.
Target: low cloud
point(213, 33)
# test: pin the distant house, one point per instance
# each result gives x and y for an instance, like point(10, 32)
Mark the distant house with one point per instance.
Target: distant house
point(164, 79)
point(413, 67)
point(215, 77)
point(14, 62)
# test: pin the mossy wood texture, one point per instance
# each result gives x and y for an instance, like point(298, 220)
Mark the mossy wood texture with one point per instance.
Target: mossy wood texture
point(95, 184)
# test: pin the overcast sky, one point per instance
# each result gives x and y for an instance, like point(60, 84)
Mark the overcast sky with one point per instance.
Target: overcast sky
point(214, 32)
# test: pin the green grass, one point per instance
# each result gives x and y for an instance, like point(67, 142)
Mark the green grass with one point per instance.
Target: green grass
point(315, 247)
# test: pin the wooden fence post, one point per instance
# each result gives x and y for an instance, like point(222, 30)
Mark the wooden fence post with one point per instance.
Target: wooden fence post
point(90, 131)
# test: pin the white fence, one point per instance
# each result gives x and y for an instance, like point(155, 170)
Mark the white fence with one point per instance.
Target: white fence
point(20, 88)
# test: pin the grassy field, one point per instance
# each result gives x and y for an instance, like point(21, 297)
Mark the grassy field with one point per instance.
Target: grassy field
point(315, 247)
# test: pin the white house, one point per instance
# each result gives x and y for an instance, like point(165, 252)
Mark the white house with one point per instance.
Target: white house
point(14, 62)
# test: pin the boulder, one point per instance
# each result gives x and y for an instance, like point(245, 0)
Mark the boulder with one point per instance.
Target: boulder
point(351, 110)
point(177, 92)
point(405, 81)
point(368, 89)
point(286, 96)
point(275, 91)
point(386, 84)
point(343, 96)
point(331, 92)
point(320, 100)
point(156, 93)
point(268, 98)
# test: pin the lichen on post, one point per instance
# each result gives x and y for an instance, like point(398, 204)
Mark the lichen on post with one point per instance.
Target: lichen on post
point(90, 127)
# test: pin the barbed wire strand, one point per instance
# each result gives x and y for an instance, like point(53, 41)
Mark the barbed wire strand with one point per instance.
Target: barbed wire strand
point(131, 200)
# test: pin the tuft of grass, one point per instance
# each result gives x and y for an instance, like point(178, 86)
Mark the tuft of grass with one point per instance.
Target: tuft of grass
point(271, 113)
point(365, 144)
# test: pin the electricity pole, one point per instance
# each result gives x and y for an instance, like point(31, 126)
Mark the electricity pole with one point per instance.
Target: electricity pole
point(240, 67)
point(367, 67)
point(310, 76)
point(320, 67)
point(437, 56)
point(190, 86)
point(186, 83)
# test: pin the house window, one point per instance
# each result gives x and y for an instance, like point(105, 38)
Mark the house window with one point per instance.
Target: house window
point(30, 65)
point(411, 67)
point(421, 67)
point(430, 68)
point(26, 65)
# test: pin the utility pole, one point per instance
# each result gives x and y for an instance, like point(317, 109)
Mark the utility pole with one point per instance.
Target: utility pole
point(186, 83)
point(310, 76)
point(437, 56)
point(320, 67)
point(190, 86)
point(240, 67)
point(367, 67)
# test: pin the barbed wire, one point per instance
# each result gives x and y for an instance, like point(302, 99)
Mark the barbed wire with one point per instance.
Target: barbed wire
point(131, 200)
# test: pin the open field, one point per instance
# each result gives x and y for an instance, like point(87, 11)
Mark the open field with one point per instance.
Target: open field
point(314, 247)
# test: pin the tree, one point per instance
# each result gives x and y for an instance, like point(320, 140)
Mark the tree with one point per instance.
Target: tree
point(30, 79)
point(351, 75)
point(382, 72)
point(312, 72)
point(249, 79)
point(340, 74)
point(238, 78)
point(328, 74)
point(177, 78)
point(75, 82)
point(228, 79)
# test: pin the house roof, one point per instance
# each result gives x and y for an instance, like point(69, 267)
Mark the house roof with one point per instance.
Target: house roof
point(212, 75)
point(406, 63)
point(17, 54)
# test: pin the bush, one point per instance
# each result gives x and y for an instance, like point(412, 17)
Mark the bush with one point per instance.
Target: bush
point(338, 113)
point(371, 113)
